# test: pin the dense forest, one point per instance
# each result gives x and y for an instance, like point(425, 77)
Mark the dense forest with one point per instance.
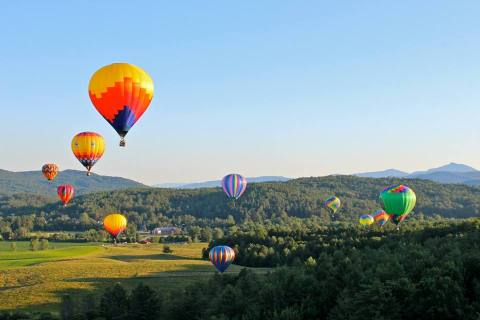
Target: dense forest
point(209, 208)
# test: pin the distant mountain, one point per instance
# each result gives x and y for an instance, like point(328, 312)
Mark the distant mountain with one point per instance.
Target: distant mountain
point(389, 173)
point(450, 173)
point(451, 167)
point(216, 183)
point(35, 182)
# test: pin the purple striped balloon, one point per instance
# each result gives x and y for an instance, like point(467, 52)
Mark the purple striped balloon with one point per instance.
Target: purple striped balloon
point(234, 185)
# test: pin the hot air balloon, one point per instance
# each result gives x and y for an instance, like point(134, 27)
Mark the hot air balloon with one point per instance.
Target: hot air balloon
point(65, 193)
point(115, 224)
point(50, 171)
point(221, 257)
point(398, 201)
point(234, 185)
point(332, 204)
point(121, 93)
point(381, 217)
point(88, 147)
point(366, 220)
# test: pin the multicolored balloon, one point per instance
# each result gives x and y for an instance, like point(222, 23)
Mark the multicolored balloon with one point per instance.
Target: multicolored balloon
point(88, 147)
point(65, 193)
point(121, 93)
point(115, 224)
point(366, 220)
point(234, 185)
point(332, 204)
point(381, 217)
point(398, 201)
point(397, 219)
point(221, 257)
point(50, 171)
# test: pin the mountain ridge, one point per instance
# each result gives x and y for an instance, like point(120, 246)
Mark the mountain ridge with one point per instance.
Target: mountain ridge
point(34, 182)
point(450, 173)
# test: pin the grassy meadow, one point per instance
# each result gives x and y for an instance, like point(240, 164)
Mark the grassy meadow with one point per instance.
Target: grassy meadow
point(36, 280)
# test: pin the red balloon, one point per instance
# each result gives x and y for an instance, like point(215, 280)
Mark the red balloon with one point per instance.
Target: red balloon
point(65, 193)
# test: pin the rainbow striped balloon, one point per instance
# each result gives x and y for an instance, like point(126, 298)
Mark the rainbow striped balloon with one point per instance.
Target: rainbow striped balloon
point(221, 257)
point(234, 185)
point(381, 217)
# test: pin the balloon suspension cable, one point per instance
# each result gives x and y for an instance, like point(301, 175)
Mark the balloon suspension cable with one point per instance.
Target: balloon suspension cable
point(123, 143)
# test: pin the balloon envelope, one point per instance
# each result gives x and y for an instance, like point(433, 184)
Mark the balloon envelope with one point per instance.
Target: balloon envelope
point(115, 223)
point(50, 171)
point(381, 217)
point(221, 257)
point(398, 201)
point(121, 93)
point(65, 193)
point(332, 204)
point(234, 185)
point(88, 148)
point(366, 220)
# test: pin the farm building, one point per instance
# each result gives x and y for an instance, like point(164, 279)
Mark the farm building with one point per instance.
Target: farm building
point(166, 231)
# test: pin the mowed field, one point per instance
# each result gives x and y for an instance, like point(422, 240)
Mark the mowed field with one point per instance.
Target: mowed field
point(36, 280)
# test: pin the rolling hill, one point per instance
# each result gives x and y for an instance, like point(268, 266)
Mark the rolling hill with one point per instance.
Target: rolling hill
point(216, 183)
point(34, 182)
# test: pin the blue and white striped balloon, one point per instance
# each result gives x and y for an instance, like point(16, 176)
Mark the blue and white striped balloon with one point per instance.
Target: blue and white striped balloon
point(234, 185)
point(221, 257)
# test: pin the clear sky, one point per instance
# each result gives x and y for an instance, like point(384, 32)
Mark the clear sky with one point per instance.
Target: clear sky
point(293, 88)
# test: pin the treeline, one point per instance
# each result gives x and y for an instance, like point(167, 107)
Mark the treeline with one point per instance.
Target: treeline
point(303, 198)
point(428, 270)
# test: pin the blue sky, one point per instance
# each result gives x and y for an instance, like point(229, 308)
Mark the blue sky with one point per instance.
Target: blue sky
point(293, 88)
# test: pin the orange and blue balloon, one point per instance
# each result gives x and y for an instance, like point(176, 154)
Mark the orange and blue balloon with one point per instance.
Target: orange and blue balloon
point(234, 185)
point(88, 148)
point(65, 193)
point(121, 93)
point(221, 257)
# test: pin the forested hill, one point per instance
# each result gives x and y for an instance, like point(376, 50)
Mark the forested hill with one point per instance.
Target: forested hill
point(34, 182)
point(300, 197)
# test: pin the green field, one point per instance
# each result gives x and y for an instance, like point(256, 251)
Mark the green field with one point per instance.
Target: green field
point(36, 280)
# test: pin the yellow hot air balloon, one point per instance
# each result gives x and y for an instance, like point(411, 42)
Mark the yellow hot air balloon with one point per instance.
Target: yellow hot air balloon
point(114, 224)
point(88, 147)
point(121, 93)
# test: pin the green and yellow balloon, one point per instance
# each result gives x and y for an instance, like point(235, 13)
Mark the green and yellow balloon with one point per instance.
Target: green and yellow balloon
point(398, 201)
point(332, 204)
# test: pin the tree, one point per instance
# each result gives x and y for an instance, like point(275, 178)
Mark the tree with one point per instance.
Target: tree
point(13, 246)
point(43, 244)
point(145, 304)
point(114, 303)
point(34, 244)
point(218, 234)
point(67, 307)
point(167, 249)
